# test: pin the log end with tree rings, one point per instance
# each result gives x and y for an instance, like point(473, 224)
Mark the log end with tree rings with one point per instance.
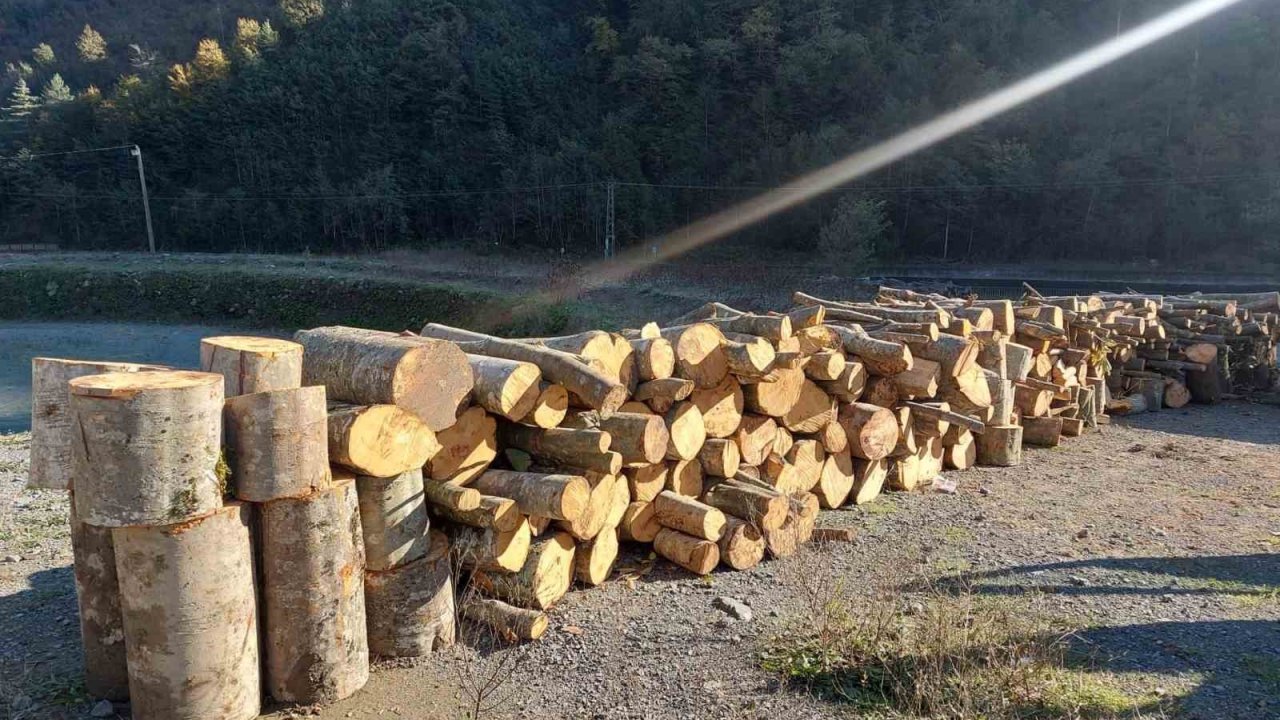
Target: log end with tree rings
point(410, 608)
point(277, 443)
point(549, 408)
point(51, 462)
point(543, 580)
point(721, 407)
point(147, 447)
point(686, 431)
point(189, 602)
point(699, 356)
point(252, 364)
point(379, 440)
point(742, 545)
point(509, 388)
point(639, 523)
point(868, 480)
point(312, 560)
point(872, 430)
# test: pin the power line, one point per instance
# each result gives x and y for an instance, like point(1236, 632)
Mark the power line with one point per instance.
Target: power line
point(67, 152)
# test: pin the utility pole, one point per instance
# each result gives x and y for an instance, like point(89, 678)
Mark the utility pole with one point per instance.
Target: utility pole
point(146, 199)
point(610, 236)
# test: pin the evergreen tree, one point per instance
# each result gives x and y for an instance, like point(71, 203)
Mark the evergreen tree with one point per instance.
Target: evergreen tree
point(248, 38)
point(43, 54)
point(21, 102)
point(210, 62)
point(180, 80)
point(55, 91)
point(301, 12)
point(92, 47)
point(143, 59)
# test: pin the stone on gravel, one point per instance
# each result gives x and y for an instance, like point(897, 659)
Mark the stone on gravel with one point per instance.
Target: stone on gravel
point(736, 609)
point(104, 709)
point(1079, 581)
point(12, 558)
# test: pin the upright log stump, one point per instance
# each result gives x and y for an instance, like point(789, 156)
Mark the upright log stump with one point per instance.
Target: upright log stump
point(106, 670)
point(393, 519)
point(278, 443)
point(187, 594)
point(252, 364)
point(410, 608)
point(1000, 446)
point(146, 447)
point(51, 462)
point(313, 596)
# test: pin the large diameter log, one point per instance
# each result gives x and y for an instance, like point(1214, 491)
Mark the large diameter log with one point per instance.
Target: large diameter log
point(685, 477)
point(550, 407)
point(393, 519)
point(813, 410)
point(778, 397)
point(509, 388)
point(1031, 401)
point(955, 354)
point(826, 365)
point(639, 523)
point(763, 508)
point(741, 546)
point(252, 364)
point(277, 443)
point(1018, 361)
point(836, 480)
point(880, 357)
point(594, 559)
point(872, 430)
point(467, 447)
point(429, 378)
point(146, 447)
point(316, 640)
point(699, 356)
point(719, 458)
point(754, 438)
point(749, 357)
point(920, 381)
point(640, 439)
point(868, 480)
point(1042, 431)
point(593, 519)
point(881, 391)
point(645, 483)
point(409, 609)
point(490, 548)
point(543, 580)
point(1000, 446)
point(688, 516)
point(1205, 386)
point(106, 669)
point(189, 602)
point(686, 431)
point(1131, 405)
point(655, 358)
point(511, 623)
point(379, 440)
point(962, 454)
point(697, 555)
point(561, 497)
point(721, 407)
point(51, 463)
point(567, 447)
point(1176, 394)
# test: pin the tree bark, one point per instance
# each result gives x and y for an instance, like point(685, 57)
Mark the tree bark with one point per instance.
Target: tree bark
point(252, 364)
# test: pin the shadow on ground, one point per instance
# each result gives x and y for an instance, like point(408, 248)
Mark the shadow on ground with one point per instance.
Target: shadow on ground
point(40, 654)
point(1257, 423)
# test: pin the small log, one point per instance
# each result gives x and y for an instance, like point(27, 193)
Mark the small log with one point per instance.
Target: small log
point(1176, 394)
point(501, 514)
point(719, 458)
point(544, 579)
point(697, 555)
point(748, 357)
point(662, 394)
point(511, 623)
point(654, 357)
point(639, 523)
point(584, 449)
point(962, 454)
point(277, 443)
point(826, 365)
point(252, 364)
point(550, 407)
point(1031, 401)
point(379, 440)
point(560, 497)
point(468, 447)
point(1000, 446)
point(1072, 427)
point(741, 546)
point(509, 388)
point(429, 378)
point(1042, 431)
point(640, 439)
point(491, 549)
point(684, 477)
point(410, 608)
point(755, 437)
point(956, 355)
point(686, 431)
point(880, 357)
point(933, 410)
point(645, 483)
point(836, 480)
point(455, 497)
point(1018, 361)
point(761, 507)
point(833, 437)
point(595, 558)
point(689, 516)
point(872, 430)
point(721, 407)
point(868, 480)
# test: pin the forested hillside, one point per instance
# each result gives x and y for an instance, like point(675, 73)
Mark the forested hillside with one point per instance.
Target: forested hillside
point(336, 126)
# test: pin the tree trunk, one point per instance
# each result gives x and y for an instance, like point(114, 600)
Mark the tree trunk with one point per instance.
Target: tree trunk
point(812, 411)
point(252, 364)
point(379, 440)
point(278, 443)
point(655, 358)
point(561, 497)
point(584, 449)
point(741, 545)
point(836, 481)
point(410, 608)
point(763, 508)
point(106, 670)
point(1000, 446)
point(697, 555)
point(511, 623)
point(872, 430)
point(393, 519)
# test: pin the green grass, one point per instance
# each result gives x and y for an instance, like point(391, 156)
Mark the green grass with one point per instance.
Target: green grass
point(1265, 668)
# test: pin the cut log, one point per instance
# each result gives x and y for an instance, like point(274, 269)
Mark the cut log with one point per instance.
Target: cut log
point(393, 519)
point(933, 410)
point(1031, 401)
point(468, 447)
point(491, 549)
point(379, 440)
point(812, 411)
point(1203, 353)
point(868, 480)
point(782, 441)
point(880, 357)
point(755, 437)
point(696, 555)
point(763, 508)
point(584, 449)
point(920, 381)
point(1205, 387)
point(645, 483)
point(1000, 446)
point(550, 407)
point(410, 608)
point(719, 458)
point(640, 439)
point(51, 464)
point(807, 457)
point(1018, 361)
point(741, 545)
point(145, 447)
point(1072, 427)
point(1042, 431)
point(872, 430)
point(699, 356)
point(639, 523)
point(543, 580)
point(512, 624)
point(881, 391)
point(509, 388)
point(592, 520)
point(963, 454)
point(456, 497)
point(501, 514)
point(689, 516)
point(106, 669)
point(655, 358)
point(748, 357)
point(684, 477)
point(776, 398)
point(826, 365)
point(721, 407)
point(429, 378)
point(189, 602)
point(277, 443)
point(252, 364)
point(1176, 394)
point(1131, 405)
point(686, 431)
point(316, 645)
point(560, 497)
point(594, 559)
point(956, 355)
point(836, 481)
point(662, 394)
point(833, 437)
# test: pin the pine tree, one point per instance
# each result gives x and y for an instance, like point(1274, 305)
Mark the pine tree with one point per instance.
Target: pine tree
point(267, 36)
point(43, 54)
point(300, 12)
point(179, 79)
point(92, 47)
point(55, 91)
point(210, 62)
point(248, 34)
point(21, 102)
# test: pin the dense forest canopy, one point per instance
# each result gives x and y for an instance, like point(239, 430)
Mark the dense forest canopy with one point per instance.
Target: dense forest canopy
point(328, 125)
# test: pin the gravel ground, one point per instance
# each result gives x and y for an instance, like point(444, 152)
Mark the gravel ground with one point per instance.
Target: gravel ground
point(1157, 537)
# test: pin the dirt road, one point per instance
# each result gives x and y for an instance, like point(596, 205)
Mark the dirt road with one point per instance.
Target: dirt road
point(1155, 539)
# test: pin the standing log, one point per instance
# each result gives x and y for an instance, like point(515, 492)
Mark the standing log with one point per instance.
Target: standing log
point(429, 378)
point(1204, 385)
point(741, 545)
point(639, 523)
point(868, 479)
point(719, 458)
point(778, 397)
point(550, 407)
point(393, 519)
point(543, 580)
point(721, 407)
point(511, 623)
point(410, 608)
point(189, 604)
point(51, 463)
point(1000, 446)
point(106, 669)
point(467, 447)
point(560, 497)
point(696, 555)
point(812, 411)
point(491, 549)
point(872, 430)
point(906, 473)
point(509, 388)
point(595, 558)
point(688, 516)
point(1042, 432)
point(655, 358)
point(146, 447)
point(316, 641)
point(277, 443)
point(379, 440)
point(252, 364)
point(684, 477)
point(645, 483)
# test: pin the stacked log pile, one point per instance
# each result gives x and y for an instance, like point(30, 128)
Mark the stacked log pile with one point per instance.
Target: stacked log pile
point(385, 470)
